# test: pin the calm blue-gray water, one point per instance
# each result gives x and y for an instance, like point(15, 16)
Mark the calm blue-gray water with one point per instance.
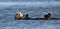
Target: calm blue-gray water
point(7, 15)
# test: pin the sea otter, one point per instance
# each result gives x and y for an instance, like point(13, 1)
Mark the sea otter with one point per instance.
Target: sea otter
point(19, 15)
point(47, 16)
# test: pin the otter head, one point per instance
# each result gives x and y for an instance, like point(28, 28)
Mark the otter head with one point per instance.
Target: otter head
point(49, 14)
point(19, 15)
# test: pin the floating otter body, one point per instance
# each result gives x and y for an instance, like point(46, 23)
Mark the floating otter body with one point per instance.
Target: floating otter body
point(47, 16)
point(19, 15)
